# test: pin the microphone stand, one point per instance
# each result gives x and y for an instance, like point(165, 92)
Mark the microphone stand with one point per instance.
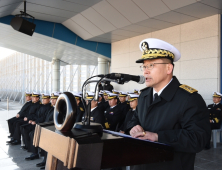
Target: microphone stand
point(86, 125)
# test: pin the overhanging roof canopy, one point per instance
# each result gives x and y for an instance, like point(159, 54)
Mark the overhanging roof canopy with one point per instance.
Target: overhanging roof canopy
point(113, 20)
point(103, 21)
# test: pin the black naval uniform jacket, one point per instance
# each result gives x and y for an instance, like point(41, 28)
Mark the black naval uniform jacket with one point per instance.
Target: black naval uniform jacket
point(42, 113)
point(215, 115)
point(80, 112)
point(113, 116)
point(49, 116)
point(101, 106)
point(105, 105)
point(128, 118)
point(96, 116)
point(180, 118)
point(125, 107)
point(33, 110)
point(25, 109)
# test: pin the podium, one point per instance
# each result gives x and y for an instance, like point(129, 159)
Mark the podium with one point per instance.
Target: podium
point(79, 150)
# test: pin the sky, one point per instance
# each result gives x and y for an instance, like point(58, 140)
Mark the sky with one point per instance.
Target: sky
point(4, 52)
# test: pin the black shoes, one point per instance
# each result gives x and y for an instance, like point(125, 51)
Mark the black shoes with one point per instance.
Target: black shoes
point(42, 167)
point(41, 164)
point(24, 148)
point(16, 142)
point(12, 140)
point(207, 148)
point(32, 157)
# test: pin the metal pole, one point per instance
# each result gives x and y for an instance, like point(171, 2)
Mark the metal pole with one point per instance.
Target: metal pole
point(37, 82)
point(12, 91)
point(7, 104)
point(46, 81)
point(93, 71)
point(72, 78)
point(23, 77)
point(25, 7)
point(13, 79)
point(27, 86)
point(22, 92)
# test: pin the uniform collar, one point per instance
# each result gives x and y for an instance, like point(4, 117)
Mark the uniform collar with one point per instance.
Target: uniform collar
point(113, 107)
point(171, 89)
point(168, 92)
point(159, 93)
point(93, 108)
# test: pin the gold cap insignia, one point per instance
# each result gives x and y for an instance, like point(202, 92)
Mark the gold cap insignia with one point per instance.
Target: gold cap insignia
point(145, 47)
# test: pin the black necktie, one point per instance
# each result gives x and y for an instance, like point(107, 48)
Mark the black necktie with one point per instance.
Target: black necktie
point(155, 96)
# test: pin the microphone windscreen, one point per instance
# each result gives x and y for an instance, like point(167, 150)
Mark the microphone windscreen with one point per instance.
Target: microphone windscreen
point(142, 79)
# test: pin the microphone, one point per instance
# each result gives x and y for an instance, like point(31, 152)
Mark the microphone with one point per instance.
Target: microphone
point(126, 77)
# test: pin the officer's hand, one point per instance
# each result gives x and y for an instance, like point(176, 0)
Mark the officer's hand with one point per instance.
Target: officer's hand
point(25, 119)
point(30, 122)
point(146, 136)
point(17, 116)
point(33, 123)
point(136, 129)
point(121, 131)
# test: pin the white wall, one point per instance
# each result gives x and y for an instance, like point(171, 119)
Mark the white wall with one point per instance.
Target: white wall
point(199, 66)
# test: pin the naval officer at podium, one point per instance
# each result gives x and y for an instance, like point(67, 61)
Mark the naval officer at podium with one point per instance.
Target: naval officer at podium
point(167, 111)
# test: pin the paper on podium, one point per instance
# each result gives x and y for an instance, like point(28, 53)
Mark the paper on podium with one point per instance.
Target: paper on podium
point(127, 136)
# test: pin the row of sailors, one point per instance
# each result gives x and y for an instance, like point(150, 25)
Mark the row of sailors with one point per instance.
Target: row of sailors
point(112, 111)
point(23, 124)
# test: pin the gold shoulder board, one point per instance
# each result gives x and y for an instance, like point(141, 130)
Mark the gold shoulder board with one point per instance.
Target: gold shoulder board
point(188, 88)
point(81, 109)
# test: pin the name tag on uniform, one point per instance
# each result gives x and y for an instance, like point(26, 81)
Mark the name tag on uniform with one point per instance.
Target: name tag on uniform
point(92, 118)
point(111, 113)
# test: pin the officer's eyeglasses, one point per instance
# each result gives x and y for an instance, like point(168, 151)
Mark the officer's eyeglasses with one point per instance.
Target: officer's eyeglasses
point(149, 66)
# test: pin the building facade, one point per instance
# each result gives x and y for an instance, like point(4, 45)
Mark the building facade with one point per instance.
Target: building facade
point(200, 64)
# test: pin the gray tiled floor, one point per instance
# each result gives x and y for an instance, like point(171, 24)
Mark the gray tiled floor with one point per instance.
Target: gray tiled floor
point(209, 159)
point(12, 157)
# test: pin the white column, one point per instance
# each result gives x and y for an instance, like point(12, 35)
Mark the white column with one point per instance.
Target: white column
point(103, 67)
point(56, 75)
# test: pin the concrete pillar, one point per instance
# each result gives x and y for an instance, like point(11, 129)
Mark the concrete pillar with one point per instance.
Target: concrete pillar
point(56, 75)
point(103, 67)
